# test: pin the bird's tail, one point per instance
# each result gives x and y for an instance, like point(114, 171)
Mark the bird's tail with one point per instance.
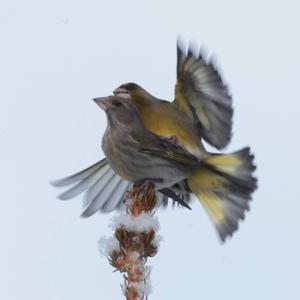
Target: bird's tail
point(224, 183)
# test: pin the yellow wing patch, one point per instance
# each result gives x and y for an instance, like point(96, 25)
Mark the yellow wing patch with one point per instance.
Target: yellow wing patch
point(180, 100)
point(202, 95)
point(183, 105)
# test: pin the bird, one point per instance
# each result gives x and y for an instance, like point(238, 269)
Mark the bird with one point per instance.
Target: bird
point(198, 78)
point(202, 108)
point(223, 183)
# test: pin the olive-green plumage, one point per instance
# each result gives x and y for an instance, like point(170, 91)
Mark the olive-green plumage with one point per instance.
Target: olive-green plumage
point(223, 183)
point(151, 139)
point(202, 108)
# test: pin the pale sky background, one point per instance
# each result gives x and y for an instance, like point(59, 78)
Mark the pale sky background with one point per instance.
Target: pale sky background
point(57, 55)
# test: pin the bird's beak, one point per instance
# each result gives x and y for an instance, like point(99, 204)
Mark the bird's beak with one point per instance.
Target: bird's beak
point(102, 102)
point(121, 92)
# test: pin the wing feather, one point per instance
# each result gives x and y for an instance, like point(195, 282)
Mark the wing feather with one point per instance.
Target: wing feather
point(104, 190)
point(201, 93)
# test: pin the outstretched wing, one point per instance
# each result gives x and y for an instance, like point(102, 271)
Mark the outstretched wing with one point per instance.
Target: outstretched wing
point(201, 93)
point(104, 189)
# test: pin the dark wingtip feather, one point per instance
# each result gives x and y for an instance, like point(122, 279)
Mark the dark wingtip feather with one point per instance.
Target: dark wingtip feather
point(204, 89)
point(171, 194)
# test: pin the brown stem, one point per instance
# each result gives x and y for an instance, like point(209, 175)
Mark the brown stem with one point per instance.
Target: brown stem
point(135, 245)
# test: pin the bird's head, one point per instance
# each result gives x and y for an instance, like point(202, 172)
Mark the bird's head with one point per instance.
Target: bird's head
point(131, 90)
point(119, 111)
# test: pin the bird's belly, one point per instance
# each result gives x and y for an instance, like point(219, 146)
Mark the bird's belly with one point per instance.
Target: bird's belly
point(135, 167)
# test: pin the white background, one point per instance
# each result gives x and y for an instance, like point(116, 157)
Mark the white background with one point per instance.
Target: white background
point(57, 55)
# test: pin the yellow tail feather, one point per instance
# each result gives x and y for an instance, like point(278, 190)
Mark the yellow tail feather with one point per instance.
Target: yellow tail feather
point(224, 184)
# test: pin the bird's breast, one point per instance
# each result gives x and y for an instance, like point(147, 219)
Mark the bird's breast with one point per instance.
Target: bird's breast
point(133, 165)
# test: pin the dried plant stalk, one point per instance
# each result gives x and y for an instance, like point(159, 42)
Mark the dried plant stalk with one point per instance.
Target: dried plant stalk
point(135, 241)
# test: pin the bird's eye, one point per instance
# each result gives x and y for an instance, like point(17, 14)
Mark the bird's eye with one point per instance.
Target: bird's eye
point(116, 103)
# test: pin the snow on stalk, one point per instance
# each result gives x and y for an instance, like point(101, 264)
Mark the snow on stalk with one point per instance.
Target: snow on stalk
point(134, 241)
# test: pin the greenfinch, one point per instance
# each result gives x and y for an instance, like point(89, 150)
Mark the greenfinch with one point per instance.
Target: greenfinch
point(223, 183)
point(202, 108)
